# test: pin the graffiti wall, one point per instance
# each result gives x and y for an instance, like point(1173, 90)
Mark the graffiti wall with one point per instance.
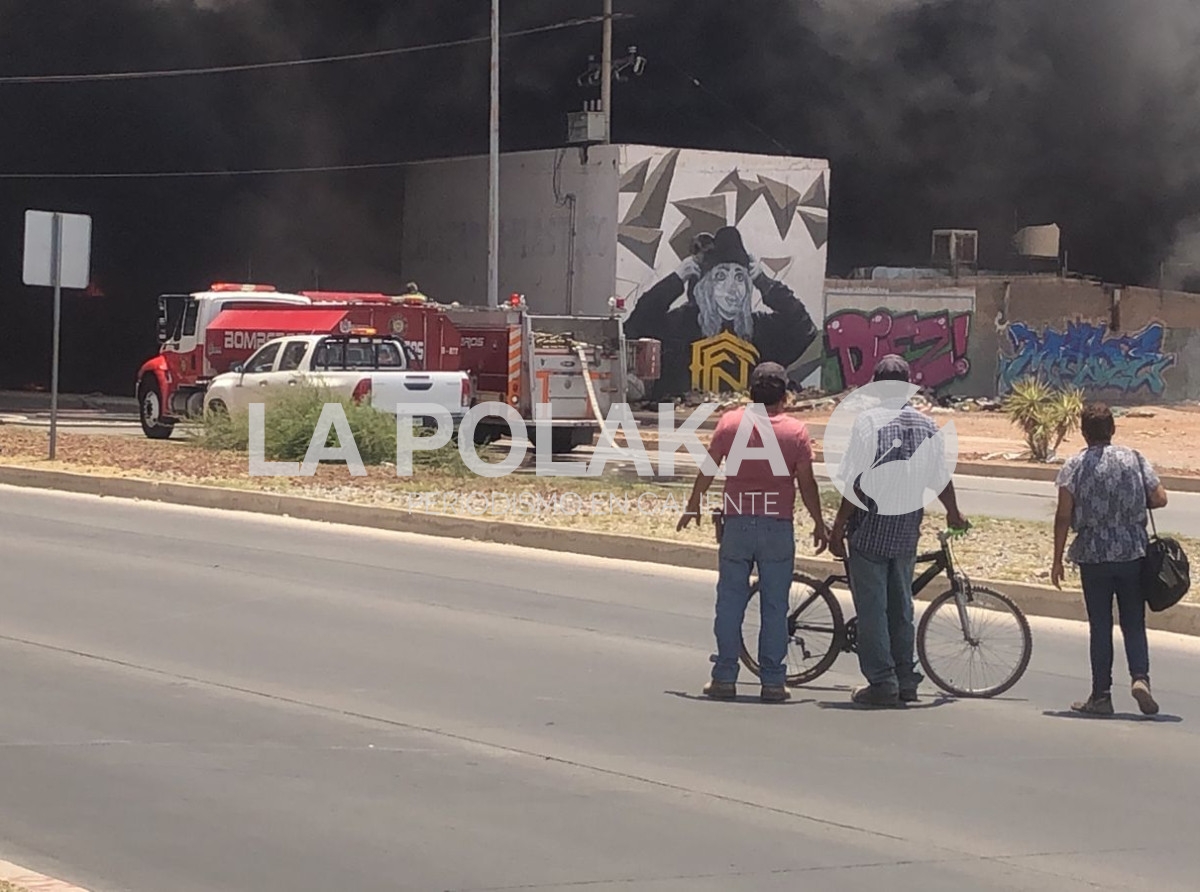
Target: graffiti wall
point(1086, 355)
point(932, 330)
point(935, 345)
point(722, 258)
point(976, 336)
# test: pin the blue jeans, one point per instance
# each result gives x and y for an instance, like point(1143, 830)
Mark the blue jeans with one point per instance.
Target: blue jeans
point(1100, 583)
point(770, 544)
point(883, 602)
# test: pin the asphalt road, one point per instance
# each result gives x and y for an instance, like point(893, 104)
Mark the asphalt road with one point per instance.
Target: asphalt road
point(1036, 500)
point(196, 701)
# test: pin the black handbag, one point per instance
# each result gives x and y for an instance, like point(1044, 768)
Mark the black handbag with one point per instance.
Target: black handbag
point(1166, 573)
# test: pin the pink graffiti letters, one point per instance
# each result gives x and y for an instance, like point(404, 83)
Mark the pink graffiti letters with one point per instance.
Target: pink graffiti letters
point(934, 344)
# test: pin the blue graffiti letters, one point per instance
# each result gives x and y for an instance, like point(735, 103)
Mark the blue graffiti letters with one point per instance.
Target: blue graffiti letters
point(1085, 356)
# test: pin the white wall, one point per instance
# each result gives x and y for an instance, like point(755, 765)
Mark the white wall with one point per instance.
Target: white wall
point(445, 210)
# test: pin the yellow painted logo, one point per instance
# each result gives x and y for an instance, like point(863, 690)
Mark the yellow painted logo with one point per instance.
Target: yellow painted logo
point(722, 362)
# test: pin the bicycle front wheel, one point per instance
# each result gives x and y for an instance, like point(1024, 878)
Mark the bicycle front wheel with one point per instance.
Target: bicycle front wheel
point(979, 647)
point(816, 630)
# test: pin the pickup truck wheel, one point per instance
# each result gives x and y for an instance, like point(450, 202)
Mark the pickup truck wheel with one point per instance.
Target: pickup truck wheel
point(485, 435)
point(150, 403)
point(218, 408)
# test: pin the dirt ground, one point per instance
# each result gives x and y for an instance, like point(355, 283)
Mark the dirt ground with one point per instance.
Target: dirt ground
point(1169, 437)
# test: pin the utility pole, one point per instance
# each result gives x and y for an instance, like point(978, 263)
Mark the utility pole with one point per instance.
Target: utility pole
point(494, 168)
point(606, 71)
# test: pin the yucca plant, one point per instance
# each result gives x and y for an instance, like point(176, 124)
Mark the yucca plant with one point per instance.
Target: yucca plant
point(1065, 410)
point(1044, 415)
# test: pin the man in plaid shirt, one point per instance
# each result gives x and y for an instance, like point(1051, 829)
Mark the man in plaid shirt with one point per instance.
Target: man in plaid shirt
point(883, 547)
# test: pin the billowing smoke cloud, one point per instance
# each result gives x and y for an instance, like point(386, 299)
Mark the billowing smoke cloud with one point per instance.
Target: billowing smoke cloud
point(934, 113)
point(978, 113)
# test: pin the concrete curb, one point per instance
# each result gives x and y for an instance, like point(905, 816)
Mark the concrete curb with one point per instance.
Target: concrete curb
point(31, 881)
point(1035, 600)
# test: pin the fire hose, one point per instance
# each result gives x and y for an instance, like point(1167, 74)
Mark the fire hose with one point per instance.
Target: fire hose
point(605, 433)
point(548, 340)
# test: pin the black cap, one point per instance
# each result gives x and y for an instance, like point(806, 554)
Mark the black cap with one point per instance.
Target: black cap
point(891, 368)
point(726, 247)
point(768, 372)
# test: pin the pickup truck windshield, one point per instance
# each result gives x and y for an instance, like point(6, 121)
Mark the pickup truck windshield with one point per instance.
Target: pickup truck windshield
point(361, 355)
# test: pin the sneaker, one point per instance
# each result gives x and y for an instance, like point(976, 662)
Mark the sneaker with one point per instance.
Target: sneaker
point(775, 693)
point(1145, 700)
point(1095, 705)
point(721, 690)
point(874, 695)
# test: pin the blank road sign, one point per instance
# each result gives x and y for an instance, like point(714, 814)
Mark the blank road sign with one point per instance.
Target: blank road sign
point(74, 252)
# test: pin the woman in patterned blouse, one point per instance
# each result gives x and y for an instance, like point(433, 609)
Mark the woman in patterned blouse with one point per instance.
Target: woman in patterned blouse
point(1103, 494)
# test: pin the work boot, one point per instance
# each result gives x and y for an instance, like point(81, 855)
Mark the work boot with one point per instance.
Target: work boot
point(908, 687)
point(875, 695)
point(775, 693)
point(1145, 700)
point(720, 690)
point(1097, 704)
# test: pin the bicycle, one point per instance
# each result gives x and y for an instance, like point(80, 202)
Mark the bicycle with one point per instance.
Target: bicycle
point(965, 610)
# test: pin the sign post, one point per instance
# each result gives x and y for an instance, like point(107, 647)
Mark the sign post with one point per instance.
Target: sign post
point(57, 255)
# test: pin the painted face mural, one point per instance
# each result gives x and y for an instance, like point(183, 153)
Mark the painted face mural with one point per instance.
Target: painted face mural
point(723, 296)
point(747, 276)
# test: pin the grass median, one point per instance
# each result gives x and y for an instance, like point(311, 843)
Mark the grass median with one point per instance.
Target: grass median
point(996, 548)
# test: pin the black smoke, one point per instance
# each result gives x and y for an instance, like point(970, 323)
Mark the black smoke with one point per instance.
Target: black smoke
point(933, 113)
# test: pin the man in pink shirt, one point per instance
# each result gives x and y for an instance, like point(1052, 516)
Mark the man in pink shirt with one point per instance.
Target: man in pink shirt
point(759, 508)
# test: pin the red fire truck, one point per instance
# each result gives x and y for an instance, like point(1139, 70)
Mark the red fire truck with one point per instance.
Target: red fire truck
point(575, 367)
point(202, 334)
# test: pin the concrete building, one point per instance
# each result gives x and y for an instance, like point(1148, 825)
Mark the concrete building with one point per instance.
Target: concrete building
point(721, 256)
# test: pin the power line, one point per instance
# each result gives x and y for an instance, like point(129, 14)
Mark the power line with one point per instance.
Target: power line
point(696, 82)
point(291, 63)
point(165, 174)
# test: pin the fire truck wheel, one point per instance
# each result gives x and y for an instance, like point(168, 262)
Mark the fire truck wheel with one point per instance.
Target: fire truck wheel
point(151, 410)
point(562, 441)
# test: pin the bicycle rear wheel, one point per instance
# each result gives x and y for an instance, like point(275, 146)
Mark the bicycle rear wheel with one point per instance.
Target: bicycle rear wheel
point(816, 630)
point(982, 651)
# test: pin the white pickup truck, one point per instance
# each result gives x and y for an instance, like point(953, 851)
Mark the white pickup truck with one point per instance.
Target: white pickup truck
point(359, 367)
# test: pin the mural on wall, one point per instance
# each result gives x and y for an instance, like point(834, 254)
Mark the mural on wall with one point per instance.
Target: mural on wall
point(1085, 355)
point(935, 345)
point(723, 260)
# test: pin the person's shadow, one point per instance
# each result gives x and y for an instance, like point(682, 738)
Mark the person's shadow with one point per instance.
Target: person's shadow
point(1119, 716)
point(928, 703)
point(740, 698)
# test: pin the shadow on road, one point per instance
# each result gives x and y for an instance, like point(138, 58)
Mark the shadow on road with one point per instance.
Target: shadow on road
point(848, 704)
point(1120, 716)
point(828, 689)
point(740, 698)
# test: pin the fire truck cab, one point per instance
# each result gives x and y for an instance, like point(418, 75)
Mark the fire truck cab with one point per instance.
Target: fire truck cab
point(171, 386)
